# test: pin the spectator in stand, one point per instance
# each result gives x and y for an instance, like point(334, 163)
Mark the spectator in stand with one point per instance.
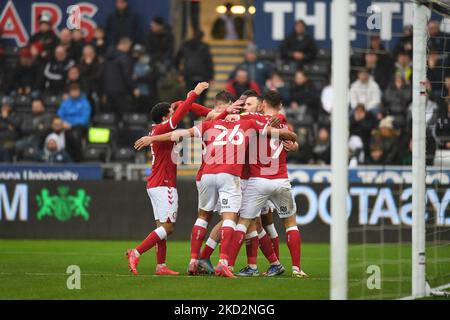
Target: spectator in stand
point(276, 83)
point(9, 130)
point(436, 38)
point(366, 91)
point(171, 87)
point(198, 65)
point(386, 140)
point(90, 73)
point(326, 97)
point(3, 70)
point(55, 71)
point(118, 84)
point(228, 26)
point(53, 151)
point(76, 110)
point(64, 140)
point(431, 108)
point(258, 70)
point(304, 93)
point(405, 43)
point(241, 83)
point(77, 44)
point(322, 147)
point(305, 153)
point(35, 127)
point(65, 40)
point(99, 42)
point(122, 23)
point(442, 129)
point(356, 151)
point(23, 78)
point(73, 76)
point(397, 97)
point(298, 46)
point(381, 72)
point(45, 40)
point(403, 66)
point(361, 125)
point(160, 43)
point(434, 72)
point(145, 77)
point(376, 46)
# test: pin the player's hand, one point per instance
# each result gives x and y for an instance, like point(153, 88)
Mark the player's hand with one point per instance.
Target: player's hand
point(285, 134)
point(289, 146)
point(235, 107)
point(200, 87)
point(143, 142)
point(274, 121)
point(232, 117)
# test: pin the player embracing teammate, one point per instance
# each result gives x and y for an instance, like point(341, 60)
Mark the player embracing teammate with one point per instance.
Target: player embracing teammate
point(161, 184)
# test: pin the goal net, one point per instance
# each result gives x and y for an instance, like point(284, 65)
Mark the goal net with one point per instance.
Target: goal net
point(383, 132)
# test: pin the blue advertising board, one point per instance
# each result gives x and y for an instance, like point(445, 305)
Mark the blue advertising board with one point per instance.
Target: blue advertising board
point(274, 19)
point(19, 19)
point(39, 172)
point(367, 174)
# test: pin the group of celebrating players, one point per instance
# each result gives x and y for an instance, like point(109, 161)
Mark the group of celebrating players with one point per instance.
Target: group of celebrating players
point(243, 177)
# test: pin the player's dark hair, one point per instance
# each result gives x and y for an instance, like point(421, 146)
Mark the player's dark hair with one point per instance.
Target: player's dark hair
point(159, 111)
point(272, 98)
point(224, 96)
point(250, 93)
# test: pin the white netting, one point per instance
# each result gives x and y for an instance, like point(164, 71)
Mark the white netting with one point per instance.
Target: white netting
point(383, 243)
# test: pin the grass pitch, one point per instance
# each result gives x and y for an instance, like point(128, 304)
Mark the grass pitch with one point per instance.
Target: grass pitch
point(36, 269)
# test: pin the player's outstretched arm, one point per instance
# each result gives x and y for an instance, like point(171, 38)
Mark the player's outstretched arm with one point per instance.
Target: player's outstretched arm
point(186, 105)
point(176, 136)
point(283, 134)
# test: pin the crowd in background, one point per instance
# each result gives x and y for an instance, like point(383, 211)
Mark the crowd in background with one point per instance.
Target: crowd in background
point(63, 85)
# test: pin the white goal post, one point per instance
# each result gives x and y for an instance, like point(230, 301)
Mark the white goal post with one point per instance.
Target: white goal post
point(340, 64)
point(419, 146)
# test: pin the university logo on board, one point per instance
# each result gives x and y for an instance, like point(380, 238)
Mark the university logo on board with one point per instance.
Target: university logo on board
point(63, 206)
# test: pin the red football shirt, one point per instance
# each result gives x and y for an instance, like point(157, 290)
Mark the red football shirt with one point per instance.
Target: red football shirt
point(164, 169)
point(267, 155)
point(226, 144)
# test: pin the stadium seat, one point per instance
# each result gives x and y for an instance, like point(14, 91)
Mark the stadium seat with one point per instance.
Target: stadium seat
point(96, 154)
point(128, 135)
point(136, 120)
point(28, 155)
point(268, 54)
point(324, 54)
point(22, 103)
point(317, 68)
point(52, 102)
point(105, 120)
point(123, 155)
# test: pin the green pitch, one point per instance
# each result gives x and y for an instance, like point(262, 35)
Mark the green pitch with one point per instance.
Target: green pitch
point(36, 269)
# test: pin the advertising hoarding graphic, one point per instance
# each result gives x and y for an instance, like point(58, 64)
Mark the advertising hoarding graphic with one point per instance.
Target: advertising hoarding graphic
point(63, 206)
point(122, 210)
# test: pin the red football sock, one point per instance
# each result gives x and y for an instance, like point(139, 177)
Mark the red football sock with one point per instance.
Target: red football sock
point(266, 247)
point(251, 246)
point(226, 232)
point(276, 246)
point(236, 243)
point(274, 238)
point(151, 240)
point(161, 249)
point(209, 248)
point(294, 245)
point(197, 236)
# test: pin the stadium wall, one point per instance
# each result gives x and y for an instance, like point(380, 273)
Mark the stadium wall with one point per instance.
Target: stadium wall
point(122, 210)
